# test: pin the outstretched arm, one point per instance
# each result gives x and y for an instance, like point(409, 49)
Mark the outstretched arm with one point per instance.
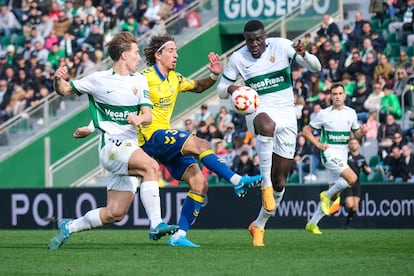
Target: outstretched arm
point(84, 131)
point(61, 86)
point(215, 67)
point(307, 60)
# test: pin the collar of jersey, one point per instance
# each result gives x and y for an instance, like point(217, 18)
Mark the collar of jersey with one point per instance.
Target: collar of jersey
point(160, 75)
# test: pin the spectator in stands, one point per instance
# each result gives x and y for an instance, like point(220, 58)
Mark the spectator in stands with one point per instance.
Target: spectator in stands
point(386, 132)
point(61, 25)
point(202, 131)
point(27, 49)
point(325, 54)
point(299, 103)
point(10, 75)
point(165, 11)
point(240, 127)
point(22, 78)
point(366, 33)
point(373, 102)
point(378, 42)
point(215, 133)
point(355, 66)
point(140, 9)
point(76, 30)
point(372, 127)
point(358, 98)
point(310, 164)
point(45, 26)
point(179, 8)
point(32, 19)
point(152, 12)
point(86, 65)
point(229, 133)
point(305, 117)
point(335, 71)
point(204, 115)
point(328, 27)
point(407, 164)
point(40, 53)
point(368, 67)
point(397, 26)
point(189, 125)
point(8, 22)
point(378, 8)
point(244, 165)
point(389, 104)
point(31, 97)
point(5, 97)
point(95, 39)
point(401, 85)
point(383, 68)
point(143, 26)
point(86, 9)
point(54, 55)
point(403, 62)
point(367, 48)
point(358, 23)
point(349, 85)
point(394, 162)
point(117, 11)
point(16, 104)
point(222, 118)
point(338, 54)
point(130, 25)
point(69, 9)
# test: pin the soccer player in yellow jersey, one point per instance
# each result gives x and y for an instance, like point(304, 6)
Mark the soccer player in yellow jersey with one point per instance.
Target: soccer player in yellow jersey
point(177, 149)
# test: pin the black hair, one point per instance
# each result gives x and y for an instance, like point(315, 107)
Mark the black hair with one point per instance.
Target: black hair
point(253, 25)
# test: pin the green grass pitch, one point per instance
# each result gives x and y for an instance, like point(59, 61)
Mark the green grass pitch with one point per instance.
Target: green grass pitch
point(222, 252)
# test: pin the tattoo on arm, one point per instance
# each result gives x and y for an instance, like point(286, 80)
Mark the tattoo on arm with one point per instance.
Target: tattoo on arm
point(203, 84)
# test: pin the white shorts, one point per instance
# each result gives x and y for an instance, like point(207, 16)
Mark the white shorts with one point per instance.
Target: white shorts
point(123, 183)
point(335, 162)
point(284, 139)
point(114, 157)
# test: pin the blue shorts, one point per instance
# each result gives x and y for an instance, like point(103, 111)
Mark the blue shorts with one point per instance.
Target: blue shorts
point(165, 146)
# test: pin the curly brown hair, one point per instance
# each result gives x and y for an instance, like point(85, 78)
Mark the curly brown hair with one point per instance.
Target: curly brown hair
point(154, 46)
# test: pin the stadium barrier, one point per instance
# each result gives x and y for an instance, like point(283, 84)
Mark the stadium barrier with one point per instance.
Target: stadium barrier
point(381, 206)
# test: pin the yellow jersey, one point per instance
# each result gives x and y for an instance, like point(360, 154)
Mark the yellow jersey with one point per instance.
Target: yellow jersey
point(163, 93)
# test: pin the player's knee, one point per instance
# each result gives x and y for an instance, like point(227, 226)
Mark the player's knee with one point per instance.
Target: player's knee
point(152, 168)
point(352, 179)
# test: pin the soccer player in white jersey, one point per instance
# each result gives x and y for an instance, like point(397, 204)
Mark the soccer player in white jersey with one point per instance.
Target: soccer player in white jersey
point(336, 124)
point(264, 64)
point(119, 103)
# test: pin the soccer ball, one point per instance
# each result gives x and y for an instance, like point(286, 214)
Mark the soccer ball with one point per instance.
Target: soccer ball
point(244, 100)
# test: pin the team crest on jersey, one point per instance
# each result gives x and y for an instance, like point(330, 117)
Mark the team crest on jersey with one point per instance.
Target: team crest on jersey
point(272, 58)
point(182, 135)
point(128, 144)
point(134, 90)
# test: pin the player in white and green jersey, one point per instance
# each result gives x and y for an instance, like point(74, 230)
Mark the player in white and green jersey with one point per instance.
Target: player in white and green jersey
point(336, 124)
point(119, 103)
point(264, 65)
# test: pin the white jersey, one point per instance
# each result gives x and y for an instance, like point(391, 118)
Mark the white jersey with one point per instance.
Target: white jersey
point(336, 126)
point(268, 74)
point(111, 98)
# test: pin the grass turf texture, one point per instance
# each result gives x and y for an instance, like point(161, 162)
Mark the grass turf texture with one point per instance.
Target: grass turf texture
point(222, 252)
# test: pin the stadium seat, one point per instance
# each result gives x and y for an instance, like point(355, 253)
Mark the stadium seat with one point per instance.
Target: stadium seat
point(363, 178)
point(410, 51)
point(373, 161)
point(293, 178)
point(376, 25)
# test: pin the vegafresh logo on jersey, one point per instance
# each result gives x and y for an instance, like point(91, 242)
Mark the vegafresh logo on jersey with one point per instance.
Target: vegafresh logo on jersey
point(244, 100)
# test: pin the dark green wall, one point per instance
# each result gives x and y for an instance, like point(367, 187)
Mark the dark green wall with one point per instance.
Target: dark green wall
point(26, 168)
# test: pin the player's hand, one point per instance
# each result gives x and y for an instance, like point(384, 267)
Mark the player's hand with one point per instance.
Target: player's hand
point(215, 66)
point(323, 147)
point(134, 120)
point(61, 73)
point(82, 132)
point(299, 48)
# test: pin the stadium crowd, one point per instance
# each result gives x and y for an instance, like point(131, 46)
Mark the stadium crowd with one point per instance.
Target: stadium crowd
point(374, 59)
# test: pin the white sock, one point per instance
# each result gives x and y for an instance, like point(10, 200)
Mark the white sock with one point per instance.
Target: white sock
point(89, 221)
point(264, 149)
point(150, 197)
point(339, 186)
point(279, 196)
point(262, 218)
point(317, 216)
point(179, 233)
point(235, 179)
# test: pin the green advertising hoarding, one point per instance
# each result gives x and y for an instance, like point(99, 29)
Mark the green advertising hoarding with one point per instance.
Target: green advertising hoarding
point(234, 13)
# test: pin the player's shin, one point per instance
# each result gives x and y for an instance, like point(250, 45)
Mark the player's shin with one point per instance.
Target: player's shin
point(264, 148)
point(190, 210)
